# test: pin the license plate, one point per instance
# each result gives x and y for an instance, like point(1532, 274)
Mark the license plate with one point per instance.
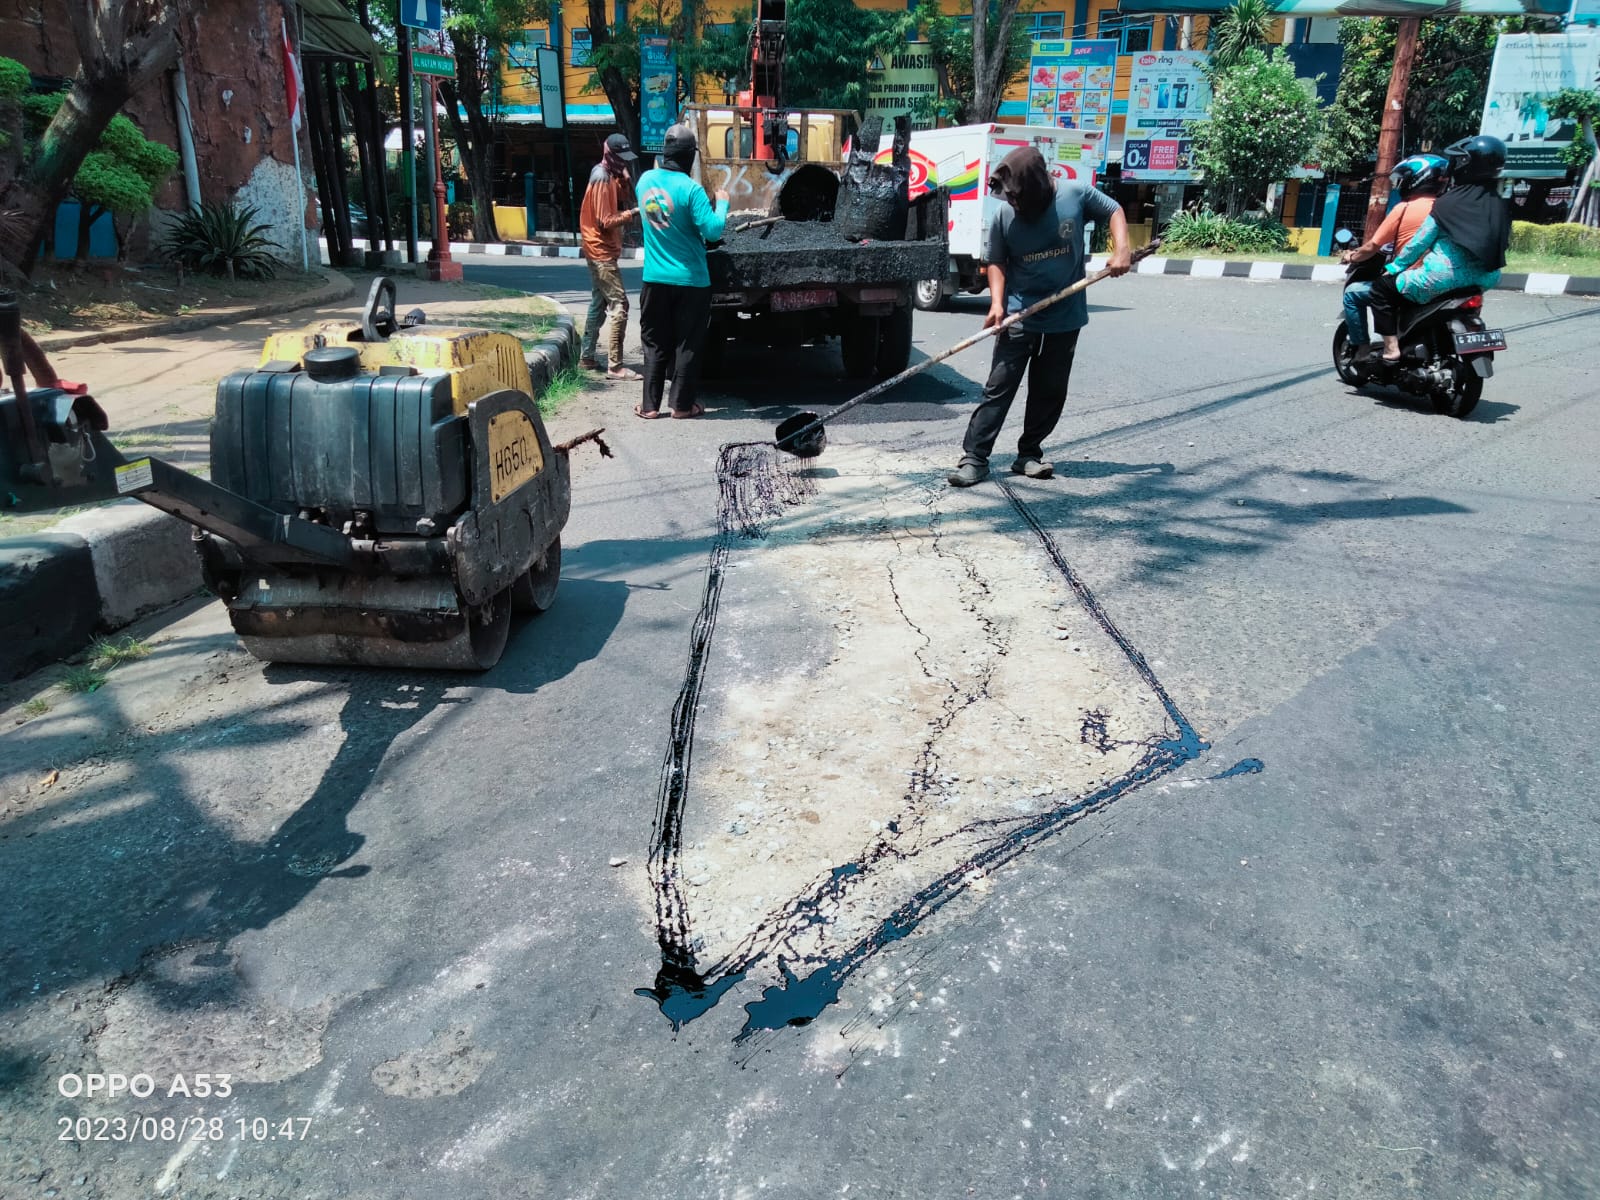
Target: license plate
point(803, 298)
point(1480, 341)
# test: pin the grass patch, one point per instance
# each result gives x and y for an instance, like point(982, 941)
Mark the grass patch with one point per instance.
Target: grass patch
point(82, 680)
point(37, 707)
point(140, 441)
point(568, 382)
point(107, 653)
point(528, 327)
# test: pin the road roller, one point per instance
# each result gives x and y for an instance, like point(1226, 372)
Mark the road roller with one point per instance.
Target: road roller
point(383, 492)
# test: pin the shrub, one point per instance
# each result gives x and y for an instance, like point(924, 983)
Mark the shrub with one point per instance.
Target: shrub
point(14, 80)
point(1580, 241)
point(222, 239)
point(1208, 230)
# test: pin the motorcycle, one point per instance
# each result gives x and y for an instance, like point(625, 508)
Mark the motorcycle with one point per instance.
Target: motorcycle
point(1446, 350)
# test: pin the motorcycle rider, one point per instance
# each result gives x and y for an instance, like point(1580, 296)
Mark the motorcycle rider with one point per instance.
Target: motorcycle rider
point(1462, 244)
point(1418, 180)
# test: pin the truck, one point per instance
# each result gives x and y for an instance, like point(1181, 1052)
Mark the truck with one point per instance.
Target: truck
point(959, 160)
point(793, 267)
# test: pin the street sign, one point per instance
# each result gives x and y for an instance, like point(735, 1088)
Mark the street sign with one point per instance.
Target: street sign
point(422, 14)
point(424, 63)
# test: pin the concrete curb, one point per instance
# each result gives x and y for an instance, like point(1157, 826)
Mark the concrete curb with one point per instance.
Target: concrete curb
point(1534, 284)
point(553, 351)
point(338, 288)
point(505, 250)
point(104, 569)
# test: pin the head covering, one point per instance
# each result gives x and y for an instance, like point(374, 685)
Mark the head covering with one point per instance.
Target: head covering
point(1024, 180)
point(678, 148)
point(618, 153)
point(1476, 219)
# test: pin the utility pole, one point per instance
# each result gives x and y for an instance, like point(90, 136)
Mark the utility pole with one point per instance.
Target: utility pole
point(1394, 112)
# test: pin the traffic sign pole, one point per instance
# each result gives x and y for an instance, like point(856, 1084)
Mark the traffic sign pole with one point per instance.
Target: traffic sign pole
point(440, 264)
point(408, 145)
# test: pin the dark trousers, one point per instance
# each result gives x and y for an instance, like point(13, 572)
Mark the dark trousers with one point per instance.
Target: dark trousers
point(1047, 359)
point(672, 326)
point(1385, 301)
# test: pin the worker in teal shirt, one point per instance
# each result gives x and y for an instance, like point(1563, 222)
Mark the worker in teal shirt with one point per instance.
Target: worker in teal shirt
point(675, 301)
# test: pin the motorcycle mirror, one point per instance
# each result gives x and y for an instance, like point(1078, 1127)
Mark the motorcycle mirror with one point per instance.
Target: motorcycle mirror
point(1343, 237)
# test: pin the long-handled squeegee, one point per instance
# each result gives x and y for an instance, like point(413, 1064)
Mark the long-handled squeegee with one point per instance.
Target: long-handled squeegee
point(805, 435)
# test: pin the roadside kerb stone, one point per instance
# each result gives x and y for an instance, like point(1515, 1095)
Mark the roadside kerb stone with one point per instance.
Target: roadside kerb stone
point(337, 288)
point(553, 351)
point(47, 594)
point(143, 559)
point(1534, 284)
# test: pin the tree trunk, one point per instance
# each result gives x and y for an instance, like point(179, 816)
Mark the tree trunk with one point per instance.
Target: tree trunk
point(619, 92)
point(476, 137)
point(120, 46)
point(1585, 207)
point(86, 215)
point(1394, 111)
point(988, 67)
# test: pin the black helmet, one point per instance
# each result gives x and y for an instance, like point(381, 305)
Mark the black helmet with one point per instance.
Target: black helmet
point(1420, 173)
point(1477, 159)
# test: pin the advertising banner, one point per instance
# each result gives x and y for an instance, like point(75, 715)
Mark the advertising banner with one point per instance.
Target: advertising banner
point(1166, 90)
point(658, 90)
point(1528, 69)
point(1070, 85)
point(552, 106)
point(897, 84)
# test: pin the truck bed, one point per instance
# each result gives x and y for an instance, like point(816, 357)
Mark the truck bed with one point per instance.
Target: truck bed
point(798, 254)
point(744, 263)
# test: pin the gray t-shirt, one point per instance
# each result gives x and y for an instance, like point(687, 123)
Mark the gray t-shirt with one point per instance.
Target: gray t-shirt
point(1044, 255)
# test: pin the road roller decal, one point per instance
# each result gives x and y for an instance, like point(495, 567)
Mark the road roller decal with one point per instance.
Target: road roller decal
point(514, 456)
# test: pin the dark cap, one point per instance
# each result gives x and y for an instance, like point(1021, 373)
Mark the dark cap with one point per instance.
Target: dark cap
point(680, 139)
point(619, 145)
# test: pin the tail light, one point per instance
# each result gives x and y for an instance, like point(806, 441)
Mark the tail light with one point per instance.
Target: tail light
point(1472, 302)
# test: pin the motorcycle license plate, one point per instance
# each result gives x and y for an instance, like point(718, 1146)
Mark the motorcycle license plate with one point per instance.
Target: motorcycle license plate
point(1480, 341)
point(803, 298)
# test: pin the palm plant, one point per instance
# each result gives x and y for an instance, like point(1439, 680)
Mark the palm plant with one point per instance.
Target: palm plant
point(222, 239)
point(1248, 23)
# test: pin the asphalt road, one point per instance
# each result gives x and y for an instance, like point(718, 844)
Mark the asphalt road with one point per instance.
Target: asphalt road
point(384, 902)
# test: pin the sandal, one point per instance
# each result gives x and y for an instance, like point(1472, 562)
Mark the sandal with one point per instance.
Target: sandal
point(697, 410)
point(648, 414)
point(622, 374)
point(588, 364)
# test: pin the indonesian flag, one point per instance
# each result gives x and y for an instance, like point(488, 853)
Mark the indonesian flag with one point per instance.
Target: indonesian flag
point(293, 84)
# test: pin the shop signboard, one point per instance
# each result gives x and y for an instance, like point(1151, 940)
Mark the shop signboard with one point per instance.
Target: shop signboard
point(1528, 69)
point(1166, 90)
point(1070, 84)
point(658, 90)
point(905, 82)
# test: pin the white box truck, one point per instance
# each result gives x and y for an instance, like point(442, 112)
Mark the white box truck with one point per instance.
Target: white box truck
point(960, 160)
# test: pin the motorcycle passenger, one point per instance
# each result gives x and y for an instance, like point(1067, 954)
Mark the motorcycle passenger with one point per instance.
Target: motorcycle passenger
point(1462, 244)
point(1418, 180)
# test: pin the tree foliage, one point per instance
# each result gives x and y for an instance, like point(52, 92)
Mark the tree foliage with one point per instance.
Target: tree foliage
point(1247, 25)
point(1263, 124)
point(950, 44)
point(1444, 100)
point(830, 43)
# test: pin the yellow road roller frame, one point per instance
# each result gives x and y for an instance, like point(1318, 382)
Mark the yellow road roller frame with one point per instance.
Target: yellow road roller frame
point(478, 361)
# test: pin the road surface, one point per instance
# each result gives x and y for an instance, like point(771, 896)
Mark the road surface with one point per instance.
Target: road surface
point(1344, 949)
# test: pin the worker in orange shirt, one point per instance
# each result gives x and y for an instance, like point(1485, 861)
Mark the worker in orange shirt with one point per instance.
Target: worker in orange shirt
point(606, 209)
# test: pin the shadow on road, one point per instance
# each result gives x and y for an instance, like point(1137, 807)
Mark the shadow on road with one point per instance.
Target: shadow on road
point(130, 860)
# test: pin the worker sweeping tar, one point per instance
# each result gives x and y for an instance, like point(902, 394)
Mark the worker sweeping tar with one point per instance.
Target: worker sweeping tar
point(1035, 248)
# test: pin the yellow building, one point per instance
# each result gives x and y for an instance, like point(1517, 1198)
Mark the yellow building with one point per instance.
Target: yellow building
point(529, 147)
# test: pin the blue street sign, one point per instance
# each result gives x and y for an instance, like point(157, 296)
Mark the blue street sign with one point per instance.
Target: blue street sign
point(422, 14)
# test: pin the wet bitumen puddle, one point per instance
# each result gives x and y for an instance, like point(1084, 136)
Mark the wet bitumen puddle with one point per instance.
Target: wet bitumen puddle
point(894, 690)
